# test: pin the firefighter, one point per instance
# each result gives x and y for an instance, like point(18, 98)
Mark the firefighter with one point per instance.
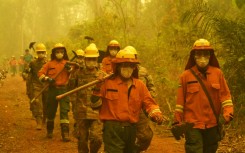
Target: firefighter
point(88, 126)
point(21, 64)
point(38, 107)
point(27, 57)
point(56, 72)
point(13, 65)
point(123, 97)
point(112, 49)
point(193, 105)
point(72, 83)
point(144, 132)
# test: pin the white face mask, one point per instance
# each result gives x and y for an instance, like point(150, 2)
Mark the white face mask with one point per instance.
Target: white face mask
point(113, 53)
point(80, 62)
point(59, 55)
point(126, 72)
point(91, 64)
point(202, 62)
point(41, 56)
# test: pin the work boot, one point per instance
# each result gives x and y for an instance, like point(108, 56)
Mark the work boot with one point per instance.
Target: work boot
point(50, 128)
point(39, 123)
point(65, 132)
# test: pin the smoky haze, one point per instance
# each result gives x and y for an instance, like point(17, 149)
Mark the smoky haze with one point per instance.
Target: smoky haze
point(24, 21)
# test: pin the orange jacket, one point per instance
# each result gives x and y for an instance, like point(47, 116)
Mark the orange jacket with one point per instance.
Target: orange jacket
point(13, 62)
point(120, 105)
point(52, 68)
point(107, 65)
point(21, 62)
point(192, 103)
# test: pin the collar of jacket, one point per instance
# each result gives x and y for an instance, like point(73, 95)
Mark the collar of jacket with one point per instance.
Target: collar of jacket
point(198, 72)
point(118, 80)
point(61, 61)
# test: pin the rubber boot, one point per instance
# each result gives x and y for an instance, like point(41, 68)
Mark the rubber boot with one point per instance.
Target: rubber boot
point(65, 132)
point(39, 123)
point(50, 128)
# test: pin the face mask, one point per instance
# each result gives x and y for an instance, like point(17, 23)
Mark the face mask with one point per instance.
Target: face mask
point(126, 72)
point(59, 55)
point(113, 53)
point(90, 64)
point(80, 62)
point(41, 55)
point(202, 62)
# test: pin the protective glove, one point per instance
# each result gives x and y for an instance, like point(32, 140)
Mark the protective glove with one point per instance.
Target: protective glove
point(67, 67)
point(49, 80)
point(157, 117)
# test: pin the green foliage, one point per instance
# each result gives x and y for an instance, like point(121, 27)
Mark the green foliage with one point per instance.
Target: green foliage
point(240, 3)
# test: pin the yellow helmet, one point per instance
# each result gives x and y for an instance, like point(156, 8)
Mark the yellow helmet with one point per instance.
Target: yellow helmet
point(125, 56)
point(202, 44)
point(114, 43)
point(132, 49)
point(40, 47)
point(80, 52)
point(91, 51)
point(58, 45)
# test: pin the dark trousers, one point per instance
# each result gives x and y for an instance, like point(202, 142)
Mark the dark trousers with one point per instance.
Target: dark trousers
point(52, 105)
point(119, 137)
point(202, 140)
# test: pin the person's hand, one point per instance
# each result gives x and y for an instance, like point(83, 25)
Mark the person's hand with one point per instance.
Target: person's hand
point(157, 117)
point(49, 80)
point(67, 67)
point(228, 118)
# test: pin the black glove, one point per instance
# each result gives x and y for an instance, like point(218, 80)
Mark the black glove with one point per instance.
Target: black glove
point(50, 80)
point(67, 67)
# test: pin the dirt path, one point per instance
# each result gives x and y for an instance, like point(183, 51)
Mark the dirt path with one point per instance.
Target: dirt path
point(18, 133)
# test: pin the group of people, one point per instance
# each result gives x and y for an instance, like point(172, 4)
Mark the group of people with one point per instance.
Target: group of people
point(116, 111)
point(18, 65)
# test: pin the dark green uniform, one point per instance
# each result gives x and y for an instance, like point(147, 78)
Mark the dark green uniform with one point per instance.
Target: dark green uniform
point(38, 107)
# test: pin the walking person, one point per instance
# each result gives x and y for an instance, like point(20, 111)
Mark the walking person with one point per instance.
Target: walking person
point(112, 49)
point(88, 126)
point(203, 95)
point(13, 66)
point(21, 64)
point(123, 96)
point(144, 133)
point(38, 106)
point(56, 72)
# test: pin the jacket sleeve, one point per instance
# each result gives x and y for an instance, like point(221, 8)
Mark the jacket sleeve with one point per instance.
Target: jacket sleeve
point(181, 91)
point(150, 85)
point(225, 97)
point(43, 71)
point(149, 103)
